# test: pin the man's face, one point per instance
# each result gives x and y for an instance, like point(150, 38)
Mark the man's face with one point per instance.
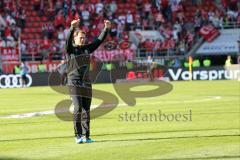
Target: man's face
point(80, 39)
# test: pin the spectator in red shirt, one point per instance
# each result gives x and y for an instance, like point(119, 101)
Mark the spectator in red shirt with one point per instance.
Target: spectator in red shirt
point(148, 46)
point(58, 5)
point(93, 32)
point(224, 4)
point(164, 4)
point(159, 19)
point(45, 47)
point(59, 20)
point(157, 46)
point(8, 4)
point(67, 21)
point(7, 34)
point(147, 9)
point(238, 18)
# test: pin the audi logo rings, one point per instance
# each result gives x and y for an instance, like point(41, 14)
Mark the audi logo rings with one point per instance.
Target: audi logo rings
point(13, 81)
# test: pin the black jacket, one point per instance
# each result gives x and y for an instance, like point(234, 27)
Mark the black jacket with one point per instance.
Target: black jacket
point(78, 57)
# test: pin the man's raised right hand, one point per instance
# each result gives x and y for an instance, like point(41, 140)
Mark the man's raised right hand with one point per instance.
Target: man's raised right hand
point(75, 23)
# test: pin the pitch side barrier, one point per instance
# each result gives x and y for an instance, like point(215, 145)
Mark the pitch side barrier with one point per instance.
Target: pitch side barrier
point(203, 73)
point(14, 81)
point(173, 74)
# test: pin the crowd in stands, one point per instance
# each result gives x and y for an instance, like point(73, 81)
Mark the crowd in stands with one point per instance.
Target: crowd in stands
point(12, 22)
point(178, 31)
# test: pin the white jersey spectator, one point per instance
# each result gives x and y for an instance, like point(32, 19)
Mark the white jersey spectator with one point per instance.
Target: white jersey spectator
point(85, 15)
point(122, 19)
point(217, 22)
point(23, 48)
point(129, 17)
point(10, 20)
point(113, 6)
point(2, 21)
point(61, 35)
point(99, 7)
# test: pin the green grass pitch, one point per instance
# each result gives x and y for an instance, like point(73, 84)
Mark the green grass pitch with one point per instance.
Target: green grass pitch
point(213, 132)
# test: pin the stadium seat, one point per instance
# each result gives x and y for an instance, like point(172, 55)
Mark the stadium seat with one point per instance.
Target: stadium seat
point(139, 75)
point(131, 75)
point(145, 75)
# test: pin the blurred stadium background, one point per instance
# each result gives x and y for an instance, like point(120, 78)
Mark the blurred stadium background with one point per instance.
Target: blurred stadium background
point(194, 45)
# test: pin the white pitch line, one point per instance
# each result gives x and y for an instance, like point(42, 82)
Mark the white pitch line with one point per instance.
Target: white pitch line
point(36, 114)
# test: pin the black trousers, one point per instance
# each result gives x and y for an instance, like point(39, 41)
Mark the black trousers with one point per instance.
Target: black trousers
point(81, 96)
